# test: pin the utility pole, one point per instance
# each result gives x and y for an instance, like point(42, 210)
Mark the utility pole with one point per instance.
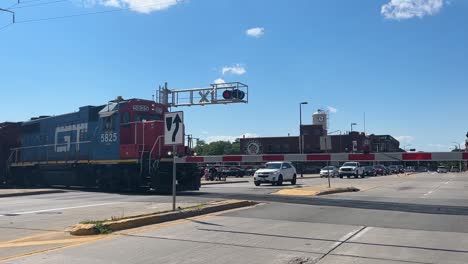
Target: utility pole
point(301, 143)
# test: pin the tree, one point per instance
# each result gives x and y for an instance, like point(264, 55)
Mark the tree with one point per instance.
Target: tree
point(217, 148)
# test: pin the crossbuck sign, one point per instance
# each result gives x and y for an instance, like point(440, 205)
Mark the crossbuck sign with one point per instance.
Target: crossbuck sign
point(174, 128)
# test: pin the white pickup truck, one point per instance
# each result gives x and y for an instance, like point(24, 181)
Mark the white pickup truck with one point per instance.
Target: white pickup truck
point(351, 169)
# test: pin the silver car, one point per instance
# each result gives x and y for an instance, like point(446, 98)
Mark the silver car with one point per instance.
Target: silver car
point(331, 171)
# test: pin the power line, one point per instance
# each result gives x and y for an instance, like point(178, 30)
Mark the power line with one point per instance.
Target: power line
point(4, 27)
point(40, 4)
point(93, 13)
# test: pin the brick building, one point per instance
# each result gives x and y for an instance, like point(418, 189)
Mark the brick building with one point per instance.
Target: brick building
point(316, 140)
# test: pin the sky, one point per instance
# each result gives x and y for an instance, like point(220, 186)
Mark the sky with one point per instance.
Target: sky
point(404, 63)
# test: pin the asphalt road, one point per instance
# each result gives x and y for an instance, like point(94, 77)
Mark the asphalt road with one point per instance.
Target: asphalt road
point(421, 218)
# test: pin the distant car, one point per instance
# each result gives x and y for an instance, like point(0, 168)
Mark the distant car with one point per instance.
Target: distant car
point(394, 169)
point(401, 168)
point(351, 169)
point(275, 173)
point(233, 172)
point(331, 171)
point(410, 169)
point(422, 169)
point(250, 172)
point(380, 170)
point(454, 169)
point(369, 171)
point(442, 169)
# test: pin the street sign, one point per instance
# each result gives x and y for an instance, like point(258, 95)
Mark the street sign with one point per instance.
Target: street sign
point(174, 128)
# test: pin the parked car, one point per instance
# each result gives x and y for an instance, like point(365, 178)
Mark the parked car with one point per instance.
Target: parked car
point(393, 169)
point(422, 169)
point(410, 169)
point(380, 170)
point(351, 169)
point(442, 169)
point(454, 169)
point(250, 172)
point(401, 168)
point(275, 173)
point(369, 171)
point(233, 172)
point(331, 171)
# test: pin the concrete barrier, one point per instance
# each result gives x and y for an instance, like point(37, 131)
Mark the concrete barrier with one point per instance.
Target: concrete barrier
point(151, 219)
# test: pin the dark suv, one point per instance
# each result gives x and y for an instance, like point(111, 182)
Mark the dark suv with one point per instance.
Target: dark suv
point(369, 171)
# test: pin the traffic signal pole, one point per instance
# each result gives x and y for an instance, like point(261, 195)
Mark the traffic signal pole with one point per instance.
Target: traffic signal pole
point(174, 178)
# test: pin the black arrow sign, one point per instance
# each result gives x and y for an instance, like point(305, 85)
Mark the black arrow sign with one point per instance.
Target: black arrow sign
point(177, 122)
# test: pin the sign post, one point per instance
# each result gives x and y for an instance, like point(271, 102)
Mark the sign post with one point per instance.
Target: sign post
point(174, 136)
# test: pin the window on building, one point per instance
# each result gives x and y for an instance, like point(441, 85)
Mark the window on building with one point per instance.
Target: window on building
point(285, 148)
point(277, 148)
point(270, 148)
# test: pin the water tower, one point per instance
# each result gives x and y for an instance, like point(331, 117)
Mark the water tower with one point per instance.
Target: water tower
point(320, 118)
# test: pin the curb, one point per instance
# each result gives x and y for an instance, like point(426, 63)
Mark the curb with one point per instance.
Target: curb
point(151, 219)
point(338, 190)
point(31, 193)
point(223, 182)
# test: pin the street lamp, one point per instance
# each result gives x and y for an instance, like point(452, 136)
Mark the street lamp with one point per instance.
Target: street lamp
point(457, 144)
point(301, 150)
point(407, 145)
point(352, 124)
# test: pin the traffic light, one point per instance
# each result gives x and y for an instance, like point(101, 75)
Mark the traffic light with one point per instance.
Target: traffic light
point(234, 94)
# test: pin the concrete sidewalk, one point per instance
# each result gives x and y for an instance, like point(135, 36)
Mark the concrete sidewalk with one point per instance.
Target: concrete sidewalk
point(23, 192)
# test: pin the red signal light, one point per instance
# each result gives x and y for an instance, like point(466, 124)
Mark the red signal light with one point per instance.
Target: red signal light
point(227, 95)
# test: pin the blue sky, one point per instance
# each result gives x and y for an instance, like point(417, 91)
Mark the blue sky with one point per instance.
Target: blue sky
point(403, 62)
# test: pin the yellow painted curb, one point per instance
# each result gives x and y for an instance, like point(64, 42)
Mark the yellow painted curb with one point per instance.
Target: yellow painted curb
point(142, 220)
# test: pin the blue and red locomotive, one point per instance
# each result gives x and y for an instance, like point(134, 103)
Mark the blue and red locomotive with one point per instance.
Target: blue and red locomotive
point(119, 145)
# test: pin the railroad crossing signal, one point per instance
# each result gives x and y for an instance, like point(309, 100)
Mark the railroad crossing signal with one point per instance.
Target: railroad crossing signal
point(174, 128)
point(221, 93)
point(233, 94)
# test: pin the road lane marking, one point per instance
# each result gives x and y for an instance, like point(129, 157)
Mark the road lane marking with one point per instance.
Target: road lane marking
point(47, 242)
point(31, 237)
point(59, 209)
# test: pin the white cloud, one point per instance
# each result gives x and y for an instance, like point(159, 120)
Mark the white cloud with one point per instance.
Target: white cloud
point(229, 138)
point(255, 32)
point(219, 81)
point(332, 109)
point(111, 3)
point(236, 69)
point(406, 9)
point(440, 146)
point(140, 6)
point(405, 139)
